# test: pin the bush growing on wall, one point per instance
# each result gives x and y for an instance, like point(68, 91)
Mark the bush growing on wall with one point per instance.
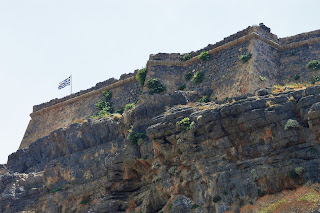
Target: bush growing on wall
point(156, 86)
point(198, 77)
point(104, 105)
point(245, 58)
point(141, 76)
point(204, 55)
point(314, 65)
point(185, 57)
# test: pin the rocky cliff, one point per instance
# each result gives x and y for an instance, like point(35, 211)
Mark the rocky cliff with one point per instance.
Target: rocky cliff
point(171, 154)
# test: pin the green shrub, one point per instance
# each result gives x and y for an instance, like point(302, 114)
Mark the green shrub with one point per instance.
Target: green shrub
point(299, 170)
point(292, 174)
point(107, 95)
point(261, 193)
point(185, 123)
point(85, 201)
point(291, 123)
point(245, 58)
point(198, 77)
point(216, 198)
point(56, 190)
point(262, 78)
point(129, 106)
point(194, 206)
point(315, 79)
point(204, 55)
point(204, 99)
point(296, 77)
point(314, 65)
point(156, 86)
point(141, 76)
point(188, 76)
point(134, 137)
point(182, 87)
point(120, 110)
point(102, 104)
point(185, 57)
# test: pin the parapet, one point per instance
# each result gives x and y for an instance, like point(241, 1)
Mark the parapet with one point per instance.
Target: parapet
point(98, 86)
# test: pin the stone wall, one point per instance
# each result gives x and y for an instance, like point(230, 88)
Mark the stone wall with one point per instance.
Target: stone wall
point(60, 113)
point(293, 62)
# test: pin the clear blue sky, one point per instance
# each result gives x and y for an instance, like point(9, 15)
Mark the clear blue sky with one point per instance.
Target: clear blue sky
point(44, 41)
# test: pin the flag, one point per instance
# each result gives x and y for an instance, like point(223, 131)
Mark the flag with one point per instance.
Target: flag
point(64, 83)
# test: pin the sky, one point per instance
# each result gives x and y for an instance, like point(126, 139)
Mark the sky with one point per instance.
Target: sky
point(42, 42)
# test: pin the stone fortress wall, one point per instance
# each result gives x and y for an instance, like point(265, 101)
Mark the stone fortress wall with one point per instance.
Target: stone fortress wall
point(278, 60)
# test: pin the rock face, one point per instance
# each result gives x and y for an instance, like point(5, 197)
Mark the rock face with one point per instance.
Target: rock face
point(194, 158)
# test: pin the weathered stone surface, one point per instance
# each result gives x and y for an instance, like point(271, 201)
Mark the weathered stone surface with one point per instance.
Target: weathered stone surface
point(229, 154)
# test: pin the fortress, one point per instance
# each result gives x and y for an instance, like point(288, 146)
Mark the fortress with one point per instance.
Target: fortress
point(274, 61)
point(258, 135)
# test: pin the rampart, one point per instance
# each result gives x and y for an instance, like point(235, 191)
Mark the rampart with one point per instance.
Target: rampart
point(277, 61)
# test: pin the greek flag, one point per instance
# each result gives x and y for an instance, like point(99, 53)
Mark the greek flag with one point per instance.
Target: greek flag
point(64, 83)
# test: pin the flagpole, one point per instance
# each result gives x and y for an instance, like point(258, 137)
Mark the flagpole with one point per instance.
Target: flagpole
point(71, 83)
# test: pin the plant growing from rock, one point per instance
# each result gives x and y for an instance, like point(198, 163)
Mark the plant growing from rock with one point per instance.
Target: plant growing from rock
point(104, 105)
point(245, 58)
point(204, 99)
point(291, 123)
point(204, 55)
point(194, 206)
point(129, 106)
point(314, 65)
point(292, 174)
point(188, 76)
point(261, 193)
point(155, 86)
point(198, 77)
point(85, 201)
point(182, 87)
point(56, 190)
point(296, 172)
point(299, 170)
point(135, 137)
point(185, 57)
point(141, 76)
point(262, 78)
point(315, 79)
point(120, 110)
point(216, 198)
point(185, 123)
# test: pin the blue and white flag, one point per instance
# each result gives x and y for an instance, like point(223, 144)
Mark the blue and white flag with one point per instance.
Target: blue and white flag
point(64, 83)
